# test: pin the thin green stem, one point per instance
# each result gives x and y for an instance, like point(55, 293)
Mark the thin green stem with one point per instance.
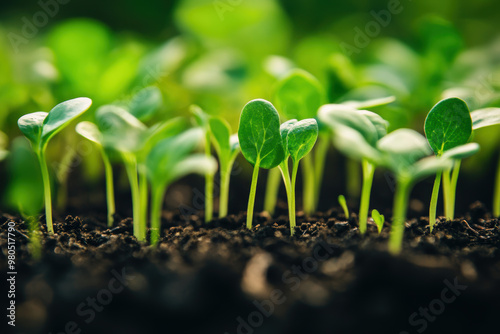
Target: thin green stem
point(434, 200)
point(225, 177)
point(295, 168)
point(209, 184)
point(272, 190)
point(368, 171)
point(283, 168)
point(308, 181)
point(143, 193)
point(320, 153)
point(496, 195)
point(157, 195)
point(46, 190)
point(131, 168)
point(453, 188)
point(399, 215)
point(110, 190)
point(446, 193)
point(251, 197)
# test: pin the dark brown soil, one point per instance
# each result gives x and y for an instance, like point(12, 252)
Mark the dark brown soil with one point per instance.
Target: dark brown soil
point(222, 278)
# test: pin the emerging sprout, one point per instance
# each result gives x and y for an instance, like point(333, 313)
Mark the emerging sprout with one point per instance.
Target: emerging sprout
point(227, 148)
point(403, 151)
point(343, 205)
point(448, 126)
point(91, 132)
point(378, 219)
point(482, 118)
point(168, 161)
point(39, 128)
point(260, 142)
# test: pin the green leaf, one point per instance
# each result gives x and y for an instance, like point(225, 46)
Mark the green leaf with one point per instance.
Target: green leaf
point(194, 164)
point(120, 130)
point(334, 115)
point(402, 148)
point(90, 131)
point(462, 151)
point(448, 125)
point(301, 138)
point(221, 134)
point(259, 134)
point(62, 114)
point(381, 125)
point(353, 144)
point(370, 103)
point(168, 152)
point(200, 116)
point(378, 219)
point(284, 129)
point(430, 166)
point(31, 126)
point(485, 117)
point(146, 103)
point(299, 95)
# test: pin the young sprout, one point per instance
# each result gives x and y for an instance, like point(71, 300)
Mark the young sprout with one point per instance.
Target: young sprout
point(343, 205)
point(91, 132)
point(298, 139)
point(298, 96)
point(202, 120)
point(356, 133)
point(227, 148)
point(405, 152)
point(447, 126)
point(482, 118)
point(39, 128)
point(378, 219)
point(169, 160)
point(260, 142)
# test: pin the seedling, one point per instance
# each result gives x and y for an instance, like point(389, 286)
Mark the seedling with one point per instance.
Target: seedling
point(343, 205)
point(260, 142)
point(403, 152)
point(482, 118)
point(448, 126)
point(202, 120)
point(39, 128)
point(168, 161)
point(298, 96)
point(227, 148)
point(356, 133)
point(378, 219)
point(298, 139)
point(91, 132)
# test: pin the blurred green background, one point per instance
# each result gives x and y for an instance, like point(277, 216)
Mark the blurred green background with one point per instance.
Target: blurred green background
point(220, 54)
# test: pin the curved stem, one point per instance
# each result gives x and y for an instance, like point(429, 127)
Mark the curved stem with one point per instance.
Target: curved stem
point(251, 197)
point(496, 195)
point(272, 190)
point(283, 168)
point(368, 171)
point(434, 200)
point(446, 193)
point(110, 191)
point(453, 189)
point(399, 215)
point(308, 181)
point(320, 153)
point(46, 190)
point(157, 195)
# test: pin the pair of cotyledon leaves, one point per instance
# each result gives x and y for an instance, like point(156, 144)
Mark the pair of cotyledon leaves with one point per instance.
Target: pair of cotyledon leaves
point(40, 127)
point(362, 134)
point(264, 143)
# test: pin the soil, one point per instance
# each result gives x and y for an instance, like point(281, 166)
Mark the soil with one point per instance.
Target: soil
point(222, 278)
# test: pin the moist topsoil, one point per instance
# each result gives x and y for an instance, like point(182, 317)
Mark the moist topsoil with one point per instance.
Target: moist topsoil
point(222, 278)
